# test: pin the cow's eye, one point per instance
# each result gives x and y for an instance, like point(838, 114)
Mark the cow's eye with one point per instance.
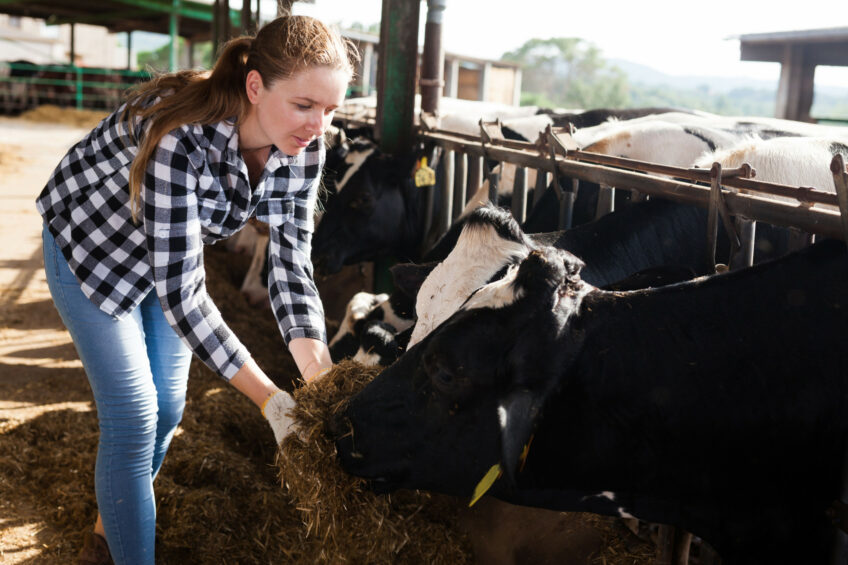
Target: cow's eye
point(443, 380)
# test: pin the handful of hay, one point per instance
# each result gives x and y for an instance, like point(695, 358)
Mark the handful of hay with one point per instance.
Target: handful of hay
point(354, 524)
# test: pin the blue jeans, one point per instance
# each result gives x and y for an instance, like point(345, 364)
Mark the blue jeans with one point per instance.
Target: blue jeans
point(138, 371)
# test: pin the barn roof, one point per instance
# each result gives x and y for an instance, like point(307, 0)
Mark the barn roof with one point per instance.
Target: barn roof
point(194, 18)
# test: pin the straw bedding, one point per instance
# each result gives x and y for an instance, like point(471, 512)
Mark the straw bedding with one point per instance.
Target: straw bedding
point(225, 495)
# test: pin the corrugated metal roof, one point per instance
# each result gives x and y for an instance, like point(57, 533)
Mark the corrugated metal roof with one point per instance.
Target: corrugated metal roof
point(194, 18)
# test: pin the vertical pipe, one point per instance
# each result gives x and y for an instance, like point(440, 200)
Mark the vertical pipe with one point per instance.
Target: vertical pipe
point(460, 172)
point(475, 174)
point(73, 44)
point(397, 67)
point(129, 50)
point(173, 30)
point(247, 26)
point(444, 214)
point(519, 195)
point(432, 60)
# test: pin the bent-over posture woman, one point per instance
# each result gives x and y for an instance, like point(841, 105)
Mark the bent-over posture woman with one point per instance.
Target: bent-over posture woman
point(187, 161)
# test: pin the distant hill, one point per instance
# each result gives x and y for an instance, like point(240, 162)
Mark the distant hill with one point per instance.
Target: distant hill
point(647, 76)
point(723, 95)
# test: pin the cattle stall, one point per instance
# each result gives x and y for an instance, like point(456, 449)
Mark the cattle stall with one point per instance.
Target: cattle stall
point(732, 194)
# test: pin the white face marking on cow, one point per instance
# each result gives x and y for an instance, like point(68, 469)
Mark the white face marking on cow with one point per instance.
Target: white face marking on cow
point(609, 495)
point(391, 318)
point(367, 359)
point(497, 294)
point(479, 254)
point(357, 308)
point(354, 159)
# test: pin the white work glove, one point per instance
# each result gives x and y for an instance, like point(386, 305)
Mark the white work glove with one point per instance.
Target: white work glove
point(278, 411)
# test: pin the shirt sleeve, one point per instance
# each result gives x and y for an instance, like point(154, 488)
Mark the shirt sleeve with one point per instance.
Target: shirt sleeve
point(173, 232)
point(291, 284)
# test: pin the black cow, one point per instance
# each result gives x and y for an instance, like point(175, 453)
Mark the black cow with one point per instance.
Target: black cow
point(717, 405)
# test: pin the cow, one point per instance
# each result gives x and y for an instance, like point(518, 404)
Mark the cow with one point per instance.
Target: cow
point(383, 213)
point(394, 313)
point(645, 235)
point(716, 405)
point(792, 161)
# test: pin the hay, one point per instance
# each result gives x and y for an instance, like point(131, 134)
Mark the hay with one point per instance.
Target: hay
point(219, 497)
point(354, 524)
point(49, 113)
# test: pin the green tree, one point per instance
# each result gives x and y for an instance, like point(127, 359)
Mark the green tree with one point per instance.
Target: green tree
point(569, 72)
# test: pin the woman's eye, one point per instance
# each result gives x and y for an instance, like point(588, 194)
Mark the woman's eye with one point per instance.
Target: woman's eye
point(303, 106)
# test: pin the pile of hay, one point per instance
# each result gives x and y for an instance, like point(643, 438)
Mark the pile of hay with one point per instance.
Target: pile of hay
point(219, 494)
point(354, 524)
point(49, 113)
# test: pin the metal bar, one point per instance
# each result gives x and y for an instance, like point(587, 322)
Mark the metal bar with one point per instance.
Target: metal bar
point(822, 220)
point(459, 187)
point(445, 214)
point(475, 174)
point(541, 186)
point(173, 31)
point(732, 178)
point(432, 58)
point(837, 167)
point(606, 200)
point(519, 195)
point(398, 65)
point(78, 85)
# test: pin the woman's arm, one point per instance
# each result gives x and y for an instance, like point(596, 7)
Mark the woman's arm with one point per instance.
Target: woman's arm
point(311, 355)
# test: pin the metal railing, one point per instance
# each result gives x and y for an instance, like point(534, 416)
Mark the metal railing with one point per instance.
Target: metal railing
point(24, 86)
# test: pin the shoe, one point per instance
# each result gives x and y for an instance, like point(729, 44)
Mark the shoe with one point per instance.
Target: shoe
point(94, 551)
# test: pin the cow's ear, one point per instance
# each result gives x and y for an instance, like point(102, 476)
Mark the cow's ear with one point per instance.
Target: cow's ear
point(518, 414)
point(408, 277)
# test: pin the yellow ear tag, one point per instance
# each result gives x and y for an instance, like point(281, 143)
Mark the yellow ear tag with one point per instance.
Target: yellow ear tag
point(486, 483)
point(424, 175)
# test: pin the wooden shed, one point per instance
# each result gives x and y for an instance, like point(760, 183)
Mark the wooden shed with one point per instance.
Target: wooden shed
point(468, 78)
point(799, 53)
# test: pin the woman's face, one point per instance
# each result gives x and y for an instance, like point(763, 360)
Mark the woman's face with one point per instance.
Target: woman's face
point(291, 113)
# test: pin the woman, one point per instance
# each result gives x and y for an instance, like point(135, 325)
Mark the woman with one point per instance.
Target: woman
point(186, 161)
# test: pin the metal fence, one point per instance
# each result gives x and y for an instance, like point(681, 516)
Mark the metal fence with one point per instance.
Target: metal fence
point(24, 86)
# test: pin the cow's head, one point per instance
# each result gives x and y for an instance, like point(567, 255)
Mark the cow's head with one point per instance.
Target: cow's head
point(468, 396)
point(364, 219)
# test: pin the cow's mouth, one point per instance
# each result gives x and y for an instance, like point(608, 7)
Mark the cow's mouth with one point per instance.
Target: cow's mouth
point(381, 478)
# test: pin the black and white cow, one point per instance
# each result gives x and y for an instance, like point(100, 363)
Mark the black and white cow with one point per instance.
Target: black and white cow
point(646, 235)
point(356, 339)
point(381, 213)
point(716, 405)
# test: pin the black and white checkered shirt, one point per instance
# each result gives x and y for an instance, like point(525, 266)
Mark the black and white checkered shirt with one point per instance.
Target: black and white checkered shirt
point(196, 191)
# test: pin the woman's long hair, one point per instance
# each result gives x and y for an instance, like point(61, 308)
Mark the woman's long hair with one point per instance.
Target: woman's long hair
point(280, 49)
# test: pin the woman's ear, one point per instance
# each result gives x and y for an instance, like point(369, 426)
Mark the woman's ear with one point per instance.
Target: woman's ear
point(253, 85)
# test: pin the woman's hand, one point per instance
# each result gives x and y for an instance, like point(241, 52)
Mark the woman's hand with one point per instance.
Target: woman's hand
point(277, 410)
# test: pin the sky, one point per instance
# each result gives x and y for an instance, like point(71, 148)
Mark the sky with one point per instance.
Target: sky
point(672, 36)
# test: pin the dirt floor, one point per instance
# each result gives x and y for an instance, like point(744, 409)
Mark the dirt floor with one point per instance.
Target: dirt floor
point(219, 497)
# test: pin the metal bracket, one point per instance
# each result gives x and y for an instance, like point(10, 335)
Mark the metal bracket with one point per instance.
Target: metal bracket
point(840, 181)
point(490, 132)
point(718, 207)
